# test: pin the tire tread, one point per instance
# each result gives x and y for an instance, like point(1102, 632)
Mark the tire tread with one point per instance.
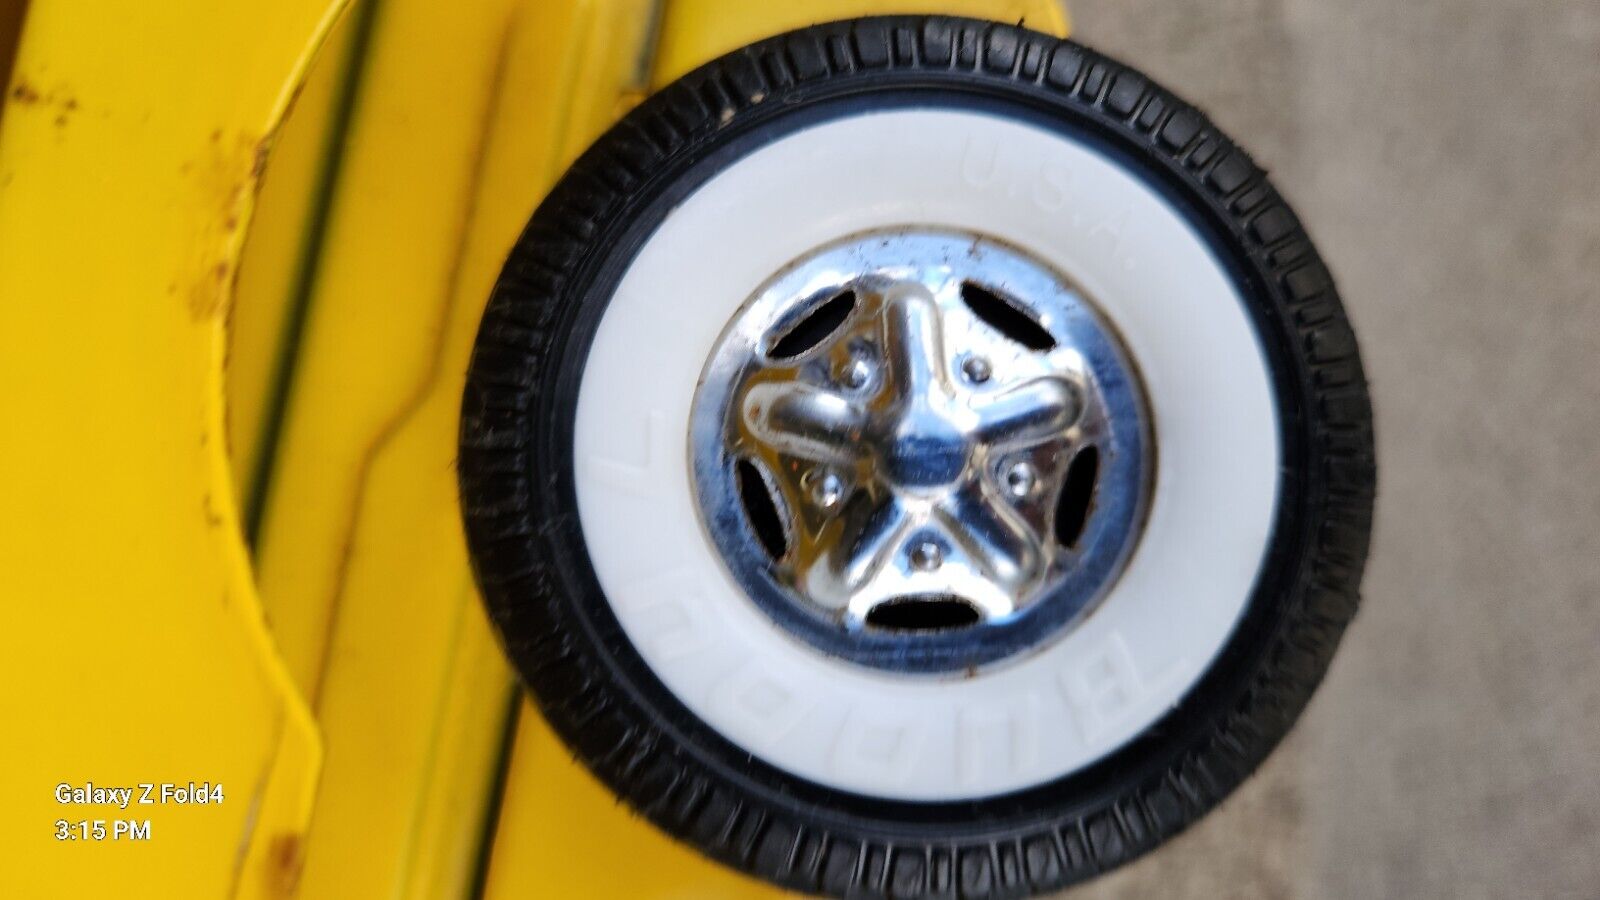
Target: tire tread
point(612, 734)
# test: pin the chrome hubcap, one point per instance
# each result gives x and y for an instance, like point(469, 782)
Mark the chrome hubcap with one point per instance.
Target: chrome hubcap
point(891, 441)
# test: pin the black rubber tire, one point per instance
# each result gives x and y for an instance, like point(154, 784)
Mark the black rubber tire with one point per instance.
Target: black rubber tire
point(518, 498)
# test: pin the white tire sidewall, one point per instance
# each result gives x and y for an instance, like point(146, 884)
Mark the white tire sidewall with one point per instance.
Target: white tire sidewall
point(1032, 719)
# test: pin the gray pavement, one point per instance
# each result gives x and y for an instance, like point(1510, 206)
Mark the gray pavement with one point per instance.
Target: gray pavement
point(1446, 157)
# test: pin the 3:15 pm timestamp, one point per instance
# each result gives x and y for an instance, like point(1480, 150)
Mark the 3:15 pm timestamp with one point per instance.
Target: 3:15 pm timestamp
point(101, 829)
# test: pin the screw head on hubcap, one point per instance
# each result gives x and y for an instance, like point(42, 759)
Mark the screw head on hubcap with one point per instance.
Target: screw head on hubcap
point(921, 407)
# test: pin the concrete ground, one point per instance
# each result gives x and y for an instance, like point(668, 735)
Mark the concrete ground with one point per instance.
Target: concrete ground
point(1446, 157)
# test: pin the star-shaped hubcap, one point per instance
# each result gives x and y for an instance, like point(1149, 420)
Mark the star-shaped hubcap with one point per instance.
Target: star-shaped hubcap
point(916, 451)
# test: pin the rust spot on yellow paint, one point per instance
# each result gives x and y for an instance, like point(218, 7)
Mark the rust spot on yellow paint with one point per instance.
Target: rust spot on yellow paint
point(284, 862)
point(226, 176)
point(206, 295)
point(213, 518)
point(259, 165)
point(24, 94)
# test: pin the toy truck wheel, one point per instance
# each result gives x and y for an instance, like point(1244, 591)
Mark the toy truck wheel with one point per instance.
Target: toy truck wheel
point(917, 457)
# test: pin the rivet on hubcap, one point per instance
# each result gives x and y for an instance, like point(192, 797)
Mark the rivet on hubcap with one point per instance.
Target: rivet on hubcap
point(1020, 479)
point(857, 372)
point(827, 490)
point(927, 556)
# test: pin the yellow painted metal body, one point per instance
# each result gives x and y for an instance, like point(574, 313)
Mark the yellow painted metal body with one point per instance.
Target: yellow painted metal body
point(239, 280)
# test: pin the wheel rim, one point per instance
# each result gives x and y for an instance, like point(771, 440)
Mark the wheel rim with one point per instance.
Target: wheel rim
point(921, 450)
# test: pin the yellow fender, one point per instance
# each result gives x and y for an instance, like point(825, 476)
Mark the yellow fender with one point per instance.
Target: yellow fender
point(243, 251)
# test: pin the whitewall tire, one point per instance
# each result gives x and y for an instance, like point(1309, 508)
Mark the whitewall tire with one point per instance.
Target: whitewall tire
point(745, 671)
